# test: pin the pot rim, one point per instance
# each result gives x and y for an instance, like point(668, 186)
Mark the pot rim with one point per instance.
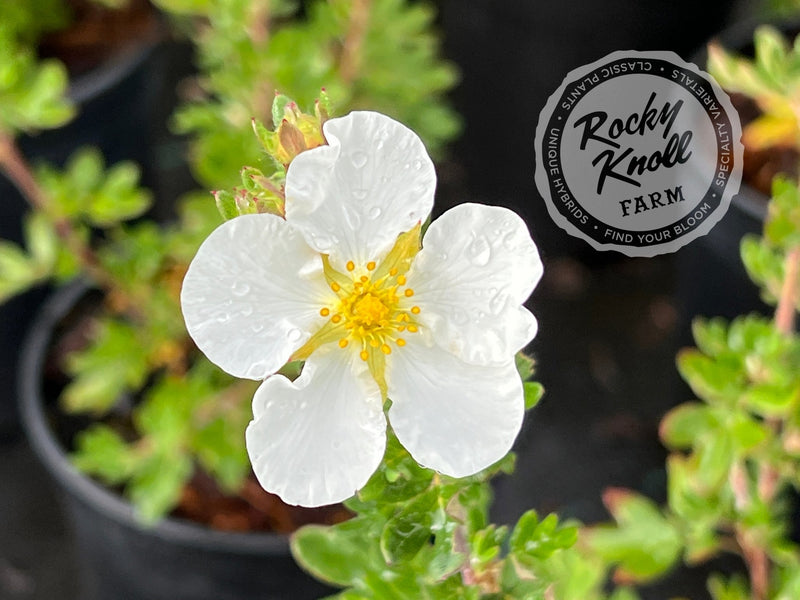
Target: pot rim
point(86, 490)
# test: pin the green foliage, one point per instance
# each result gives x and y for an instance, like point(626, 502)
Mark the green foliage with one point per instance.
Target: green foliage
point(644, 543)
point(380, 55)
point(31, 92)
point(199, 416)
point(418, 534)
point(734, 451)
point(772, 79)
point(86, 192)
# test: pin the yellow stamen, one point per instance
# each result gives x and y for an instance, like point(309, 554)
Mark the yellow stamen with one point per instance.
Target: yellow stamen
point(335, 287)
point(336, 318)
point(374, 343)
point(364, 279)
point(343, 343)
point(401, 280)
point(371, 265)
point(401, 342)
point(393, 271)
point(415, 310)
point(364, 355)
point(351, 265)
point(325, 312)
point(386, 349)
point(409, 292)
point(413, 328)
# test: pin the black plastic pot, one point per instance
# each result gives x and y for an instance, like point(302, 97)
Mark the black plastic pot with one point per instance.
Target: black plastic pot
point(122, 560)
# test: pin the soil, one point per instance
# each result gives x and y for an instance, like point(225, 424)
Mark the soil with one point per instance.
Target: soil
point(97, 33)
point(202, 501)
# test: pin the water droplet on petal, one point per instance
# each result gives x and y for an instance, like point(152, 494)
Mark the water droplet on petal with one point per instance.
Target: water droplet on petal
point(460, 316)
point(498, 303)
point(224, 318)
point(246, 310)
point(360, 193)
point(351, 217)
point(323, 242)
point(359, 159)
point(479, 252)
point(294, 335)
point(240, 288)
point(257, 327)
point(509, 240)
point(336, 444)
point(374, 212)
point(417, 164)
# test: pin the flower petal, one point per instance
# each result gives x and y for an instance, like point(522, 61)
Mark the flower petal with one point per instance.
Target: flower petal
point(353, 197)
point(252, 295)
point(452, 417)
point(477, 266)
point(317, 440)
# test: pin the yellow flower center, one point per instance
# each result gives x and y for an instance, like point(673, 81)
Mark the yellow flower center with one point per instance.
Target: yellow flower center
point(367, 310)
point(369, 313)
point(372, 309)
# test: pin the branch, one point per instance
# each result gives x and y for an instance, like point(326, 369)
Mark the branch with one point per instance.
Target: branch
point(14, 165)
point(350, 58)
point(784, 313)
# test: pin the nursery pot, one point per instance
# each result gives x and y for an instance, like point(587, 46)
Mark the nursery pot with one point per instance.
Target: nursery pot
point(119, 557)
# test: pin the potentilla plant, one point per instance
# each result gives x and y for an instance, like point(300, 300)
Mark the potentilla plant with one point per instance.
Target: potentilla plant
point(389, 359)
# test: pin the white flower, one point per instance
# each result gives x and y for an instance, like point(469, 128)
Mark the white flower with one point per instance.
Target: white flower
point(342, 283)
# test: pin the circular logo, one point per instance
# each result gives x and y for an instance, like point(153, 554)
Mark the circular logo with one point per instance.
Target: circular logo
point(638, 152)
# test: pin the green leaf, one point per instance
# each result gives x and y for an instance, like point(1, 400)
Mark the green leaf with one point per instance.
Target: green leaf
point(533, 393)
point(409, 529)
point(341, 555)
point(770, 400)
point(279, 109)
point(734, 589)
point(104, 371)
point(711, 336)
point(746, 432)
point(525, 365)
point(536, 539)
point(226, 204)
point(764, 265)
point(102, 452)
point(713, 459)
point(712, 380)
point(644, 544)
point(771, 54)
point(42, 241)
point(684, 425)
point(157, 484)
